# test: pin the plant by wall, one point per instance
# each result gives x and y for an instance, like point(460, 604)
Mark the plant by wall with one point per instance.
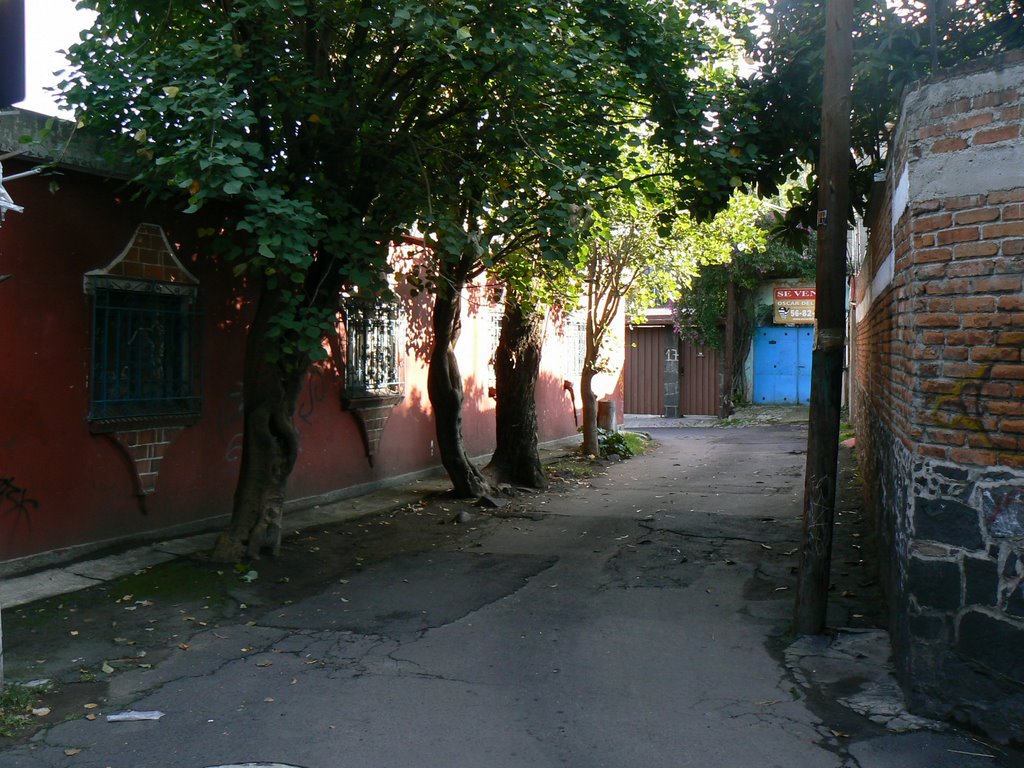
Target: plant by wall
point(703, 305)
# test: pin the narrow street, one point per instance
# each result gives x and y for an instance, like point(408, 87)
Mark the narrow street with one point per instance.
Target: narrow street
point(636, 617)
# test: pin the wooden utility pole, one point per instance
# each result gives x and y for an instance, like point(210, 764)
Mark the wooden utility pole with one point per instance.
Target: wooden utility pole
point(728, 379)
point(830, 321)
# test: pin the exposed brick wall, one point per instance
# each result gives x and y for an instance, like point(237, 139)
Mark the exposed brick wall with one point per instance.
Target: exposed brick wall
point(148, 257)
point(940, 394)
point(146, 449)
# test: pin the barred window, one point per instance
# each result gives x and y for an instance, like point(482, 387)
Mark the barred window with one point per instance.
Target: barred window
point(145, 352)
point(574, 334)
point(373, 360)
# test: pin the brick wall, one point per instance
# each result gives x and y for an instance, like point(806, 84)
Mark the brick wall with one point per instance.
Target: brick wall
point(940, 393)
point(148, 256)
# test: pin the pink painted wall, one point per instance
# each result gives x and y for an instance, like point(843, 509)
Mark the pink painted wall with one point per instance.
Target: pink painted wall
point(63, 485)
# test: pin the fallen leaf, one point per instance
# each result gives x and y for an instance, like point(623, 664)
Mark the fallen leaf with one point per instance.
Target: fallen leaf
point(90, 716)
point(183, 646)
point(90, 705)
point(264, 663)
point(269, 699)
point(41, 711)
point(72, 751)
point(107, 669)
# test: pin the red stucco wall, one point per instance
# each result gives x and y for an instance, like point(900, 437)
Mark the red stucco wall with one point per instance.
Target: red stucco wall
point(63, 485)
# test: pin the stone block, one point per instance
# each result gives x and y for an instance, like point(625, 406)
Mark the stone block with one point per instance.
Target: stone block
point(1010, 569)
point(948, 521)
point(1003, 511)
point(928, 627)
point(994, 642)
point(959, 474)
point(1015, 602)
point(981, 582)
point(935, 583)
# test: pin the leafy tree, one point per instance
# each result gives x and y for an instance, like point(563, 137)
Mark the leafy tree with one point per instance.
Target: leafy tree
point(512, 182)
point(533, 287)
point(312, 126)
point(635, 260)
point(893, 46)
point(702, 307)
point(319, 129)
point(627, 257)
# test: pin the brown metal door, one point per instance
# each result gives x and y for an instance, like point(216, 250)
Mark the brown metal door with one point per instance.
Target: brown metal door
point(699, 390)
point(645, 355)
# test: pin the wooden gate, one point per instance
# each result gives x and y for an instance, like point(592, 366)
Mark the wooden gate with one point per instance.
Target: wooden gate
point(644, 374)
point(699, 388)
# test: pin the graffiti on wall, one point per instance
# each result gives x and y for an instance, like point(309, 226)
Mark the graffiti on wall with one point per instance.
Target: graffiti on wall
point(966, 407)
point(14, 500)
point(963, 406)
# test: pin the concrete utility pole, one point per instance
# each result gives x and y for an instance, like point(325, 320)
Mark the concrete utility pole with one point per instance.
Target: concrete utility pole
point(830, 321)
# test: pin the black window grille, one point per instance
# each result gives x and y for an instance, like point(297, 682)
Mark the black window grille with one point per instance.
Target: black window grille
point(145, 351)
point(373, 360)
point(575, 335)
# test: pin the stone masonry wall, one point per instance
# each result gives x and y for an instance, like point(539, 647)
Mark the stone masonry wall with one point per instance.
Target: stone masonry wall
point(940, 393)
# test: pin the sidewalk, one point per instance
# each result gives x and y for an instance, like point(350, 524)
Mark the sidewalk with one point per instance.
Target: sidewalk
point(62, 578)
point(636, 613)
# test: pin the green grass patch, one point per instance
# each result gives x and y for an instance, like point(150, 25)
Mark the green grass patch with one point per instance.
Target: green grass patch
point(15, 708)
point(177, 580)
point(621, 443)
point(637, 443)
point(571, 467)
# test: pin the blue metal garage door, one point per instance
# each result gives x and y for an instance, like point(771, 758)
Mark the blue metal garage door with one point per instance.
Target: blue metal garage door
point(782, 365)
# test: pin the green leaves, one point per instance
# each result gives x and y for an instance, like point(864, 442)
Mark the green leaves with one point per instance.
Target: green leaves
point(320, 129)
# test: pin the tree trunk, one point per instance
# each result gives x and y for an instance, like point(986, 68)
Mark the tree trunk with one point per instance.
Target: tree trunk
point(588, 401)
point(516, 459)
point(269, 444)
point(444, 386)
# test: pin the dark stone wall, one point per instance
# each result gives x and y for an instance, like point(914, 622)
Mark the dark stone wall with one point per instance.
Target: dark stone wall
point(939, 398)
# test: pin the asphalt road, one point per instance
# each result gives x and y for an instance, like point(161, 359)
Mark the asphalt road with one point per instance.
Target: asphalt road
point(634, 618)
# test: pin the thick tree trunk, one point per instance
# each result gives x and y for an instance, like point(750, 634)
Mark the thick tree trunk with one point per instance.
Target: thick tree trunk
point(269, 445)
point(516, 459)
point(444, 386)
point(588, 400)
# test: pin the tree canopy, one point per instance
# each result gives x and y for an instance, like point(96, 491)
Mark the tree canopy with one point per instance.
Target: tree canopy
point(319, 130)
point(893, 46)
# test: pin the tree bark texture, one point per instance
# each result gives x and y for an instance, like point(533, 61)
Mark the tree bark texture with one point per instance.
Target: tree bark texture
point(444, 387)
point(827, 358)
point(588, 400)
point(516, 459)
point(269, 444)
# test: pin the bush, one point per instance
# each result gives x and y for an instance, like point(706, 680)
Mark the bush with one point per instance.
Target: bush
point(622, 444)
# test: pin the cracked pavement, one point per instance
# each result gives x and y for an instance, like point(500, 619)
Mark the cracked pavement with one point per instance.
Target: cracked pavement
point(635, 618)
